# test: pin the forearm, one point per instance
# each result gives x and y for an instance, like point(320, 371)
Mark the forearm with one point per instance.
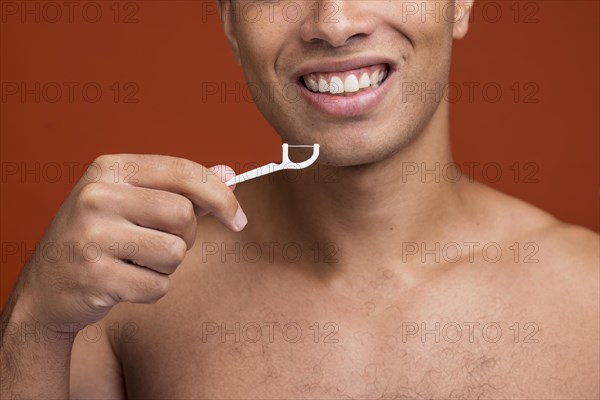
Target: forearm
point(34, 359)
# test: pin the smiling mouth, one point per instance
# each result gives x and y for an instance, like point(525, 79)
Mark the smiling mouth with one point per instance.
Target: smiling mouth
point(347, 83)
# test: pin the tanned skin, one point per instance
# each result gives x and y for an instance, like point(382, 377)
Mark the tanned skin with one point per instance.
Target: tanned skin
point(364, 308)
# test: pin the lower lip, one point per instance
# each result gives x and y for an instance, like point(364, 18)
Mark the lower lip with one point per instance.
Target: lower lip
point(358, 104)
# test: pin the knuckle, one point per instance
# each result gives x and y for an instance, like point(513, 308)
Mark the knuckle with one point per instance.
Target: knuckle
point(99, 167)
point(158, 287)
point(93, 196)
point(176, 250)
point(183, 212)
point(169, 247)
point(104, 160)
point(101, 301)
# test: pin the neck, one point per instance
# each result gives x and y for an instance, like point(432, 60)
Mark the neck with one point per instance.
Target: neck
point(371, 209)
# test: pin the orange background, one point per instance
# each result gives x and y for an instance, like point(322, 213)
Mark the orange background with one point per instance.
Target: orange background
point(545, 51)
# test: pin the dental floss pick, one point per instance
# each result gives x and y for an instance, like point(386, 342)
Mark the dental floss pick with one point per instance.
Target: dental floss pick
point(274, 167)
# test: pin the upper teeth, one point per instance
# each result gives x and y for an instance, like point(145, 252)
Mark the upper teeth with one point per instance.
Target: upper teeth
point(335, 84)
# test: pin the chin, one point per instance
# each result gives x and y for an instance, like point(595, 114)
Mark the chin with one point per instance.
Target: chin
point(348, 148)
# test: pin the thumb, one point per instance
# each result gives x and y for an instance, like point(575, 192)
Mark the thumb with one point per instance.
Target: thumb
point(224, 173)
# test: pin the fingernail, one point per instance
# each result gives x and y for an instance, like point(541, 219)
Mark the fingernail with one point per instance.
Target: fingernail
point(240, 220)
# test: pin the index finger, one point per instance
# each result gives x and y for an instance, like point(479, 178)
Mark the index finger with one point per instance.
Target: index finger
point(181, 176)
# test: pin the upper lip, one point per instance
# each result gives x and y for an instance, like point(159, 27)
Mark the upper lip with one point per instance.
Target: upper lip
point(341, 65)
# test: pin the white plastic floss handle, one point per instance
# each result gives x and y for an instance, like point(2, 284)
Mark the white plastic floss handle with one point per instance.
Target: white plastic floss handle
point(273, 167)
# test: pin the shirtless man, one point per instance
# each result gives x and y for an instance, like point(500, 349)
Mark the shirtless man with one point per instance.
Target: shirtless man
point(350, 280)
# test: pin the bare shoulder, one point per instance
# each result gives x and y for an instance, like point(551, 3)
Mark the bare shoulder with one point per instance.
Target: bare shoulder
point(557, 264)
point(569, 257)
point(564, 244)
point(573, 245)
point(566, 255)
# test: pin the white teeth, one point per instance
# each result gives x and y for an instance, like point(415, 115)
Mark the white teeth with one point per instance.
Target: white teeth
point(336, 86)
point(351, 84)
point(374, 78)
point(323, 85)
point(313, 85)
point(364, 82)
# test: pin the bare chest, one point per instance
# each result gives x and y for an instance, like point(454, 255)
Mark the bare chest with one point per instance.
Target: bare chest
point(372, 347)
point(269, 331)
